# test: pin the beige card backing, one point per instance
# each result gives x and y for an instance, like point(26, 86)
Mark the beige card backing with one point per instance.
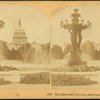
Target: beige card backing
point(36, 48)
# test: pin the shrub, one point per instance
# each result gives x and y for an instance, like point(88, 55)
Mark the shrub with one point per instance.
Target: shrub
point(7, 68)
point(38, 78)
point(3, 82)
point(71, 80)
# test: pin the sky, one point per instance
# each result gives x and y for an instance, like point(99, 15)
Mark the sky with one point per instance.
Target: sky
point(40, 20)
point(88, 13)
point(34, 22)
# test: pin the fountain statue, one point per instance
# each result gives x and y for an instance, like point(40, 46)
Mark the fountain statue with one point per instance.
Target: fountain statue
point(75, 29)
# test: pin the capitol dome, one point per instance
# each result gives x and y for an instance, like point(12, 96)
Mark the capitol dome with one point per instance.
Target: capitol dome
point(19, 37)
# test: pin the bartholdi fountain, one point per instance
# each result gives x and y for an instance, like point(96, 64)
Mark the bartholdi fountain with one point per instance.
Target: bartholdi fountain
point(75, 29)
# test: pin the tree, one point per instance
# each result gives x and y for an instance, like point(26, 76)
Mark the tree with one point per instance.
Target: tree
point(56, 52)
point(88, 48)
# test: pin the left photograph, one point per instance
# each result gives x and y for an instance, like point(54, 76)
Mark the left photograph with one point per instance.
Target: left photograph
point(24, 47)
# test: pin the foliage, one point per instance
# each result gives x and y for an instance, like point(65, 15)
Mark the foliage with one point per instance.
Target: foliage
point(71, 80)
point(3, 82)
point(57, 52)
point(38, 78)
point(7, 68)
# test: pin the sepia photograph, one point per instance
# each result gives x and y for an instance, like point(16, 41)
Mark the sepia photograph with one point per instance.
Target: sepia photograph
point(75, 52)
point(24, 47)
point(49, 49)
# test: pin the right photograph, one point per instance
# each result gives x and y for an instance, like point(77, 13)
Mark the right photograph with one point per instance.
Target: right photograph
point(75, 47)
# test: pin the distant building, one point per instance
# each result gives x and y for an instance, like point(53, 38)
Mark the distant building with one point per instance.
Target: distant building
point(19, 37)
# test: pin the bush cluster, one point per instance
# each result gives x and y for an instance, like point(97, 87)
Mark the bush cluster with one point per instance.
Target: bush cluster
point(71, 80)
point(3, 82)
point(7, 68)
point(38, 78)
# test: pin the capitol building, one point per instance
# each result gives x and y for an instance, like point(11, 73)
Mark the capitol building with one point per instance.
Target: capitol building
point(19, 38)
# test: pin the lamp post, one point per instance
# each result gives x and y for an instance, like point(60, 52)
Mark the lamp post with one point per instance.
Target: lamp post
point(75, 29)
point(2, 24)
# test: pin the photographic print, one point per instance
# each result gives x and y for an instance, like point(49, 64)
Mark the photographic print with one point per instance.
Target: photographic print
point(75, 50)
point(24, 46)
